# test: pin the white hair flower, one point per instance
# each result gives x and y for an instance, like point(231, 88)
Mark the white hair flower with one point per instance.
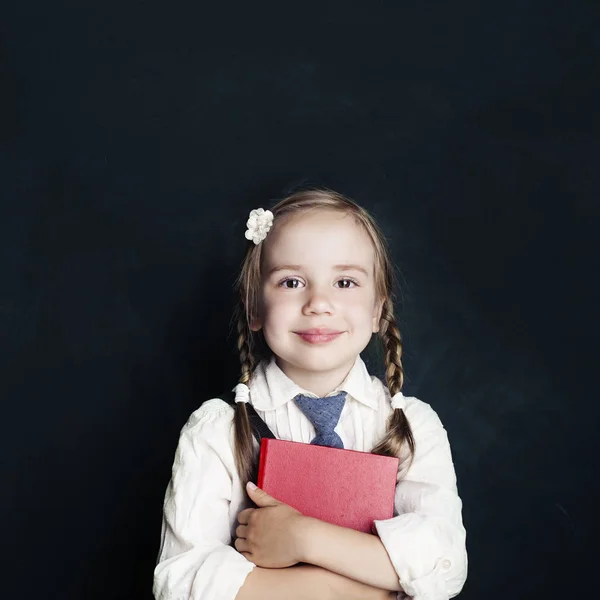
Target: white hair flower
point(258, 225)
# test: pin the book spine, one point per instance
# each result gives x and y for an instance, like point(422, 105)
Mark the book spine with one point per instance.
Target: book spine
point(264, 444)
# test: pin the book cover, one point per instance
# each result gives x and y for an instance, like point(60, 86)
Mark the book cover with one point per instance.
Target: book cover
point(344, 487)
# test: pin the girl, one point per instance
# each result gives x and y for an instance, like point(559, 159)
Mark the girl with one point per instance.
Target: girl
point(315, 284)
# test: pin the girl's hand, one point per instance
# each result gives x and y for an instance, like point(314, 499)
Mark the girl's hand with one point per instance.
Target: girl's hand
point(269, 535)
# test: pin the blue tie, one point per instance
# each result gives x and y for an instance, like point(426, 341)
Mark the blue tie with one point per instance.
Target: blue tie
point(323, 413)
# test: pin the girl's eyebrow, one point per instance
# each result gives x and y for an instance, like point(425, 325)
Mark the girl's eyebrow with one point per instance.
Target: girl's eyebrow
point(345, 267)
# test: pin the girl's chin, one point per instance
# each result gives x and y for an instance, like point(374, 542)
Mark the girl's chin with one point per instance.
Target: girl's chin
point(319, 361)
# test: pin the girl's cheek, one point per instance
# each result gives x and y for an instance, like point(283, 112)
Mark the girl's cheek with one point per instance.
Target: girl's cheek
point(277, 300)
point(278, 308)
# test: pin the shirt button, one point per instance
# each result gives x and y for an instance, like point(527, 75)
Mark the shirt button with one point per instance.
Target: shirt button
point(446, 564)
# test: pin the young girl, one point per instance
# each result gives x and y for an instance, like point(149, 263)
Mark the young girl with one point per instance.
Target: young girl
point(316, 283)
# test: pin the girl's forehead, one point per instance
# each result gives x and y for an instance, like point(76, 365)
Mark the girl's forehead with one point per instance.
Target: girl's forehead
point(319, 238)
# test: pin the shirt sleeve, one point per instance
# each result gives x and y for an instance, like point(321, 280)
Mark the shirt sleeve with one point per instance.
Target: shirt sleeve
point(196, 560)
point(426, 542)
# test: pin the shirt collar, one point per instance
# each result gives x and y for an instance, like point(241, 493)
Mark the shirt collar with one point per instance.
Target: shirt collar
point(270, 387)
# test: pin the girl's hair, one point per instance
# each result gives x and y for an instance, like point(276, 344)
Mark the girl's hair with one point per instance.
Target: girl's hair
point(252, 346)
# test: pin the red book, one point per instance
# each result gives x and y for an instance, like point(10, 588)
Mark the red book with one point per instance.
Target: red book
point(339, 486)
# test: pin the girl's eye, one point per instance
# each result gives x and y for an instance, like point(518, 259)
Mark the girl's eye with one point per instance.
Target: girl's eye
point(291, 280)
point(349, 283)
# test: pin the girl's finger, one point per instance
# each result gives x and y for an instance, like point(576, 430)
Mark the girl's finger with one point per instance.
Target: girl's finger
point(241, 531)
point(244, 516)
point(241, 545)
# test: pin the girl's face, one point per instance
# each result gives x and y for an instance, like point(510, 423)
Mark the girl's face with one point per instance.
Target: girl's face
point(318, 275)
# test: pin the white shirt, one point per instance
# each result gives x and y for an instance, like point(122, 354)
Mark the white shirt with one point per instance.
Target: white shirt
point(425, 539)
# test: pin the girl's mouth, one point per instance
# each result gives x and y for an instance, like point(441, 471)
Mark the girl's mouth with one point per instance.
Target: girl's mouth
point(318, 336)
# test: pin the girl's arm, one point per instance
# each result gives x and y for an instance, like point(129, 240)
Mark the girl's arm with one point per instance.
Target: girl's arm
point(421, 551)
point(196, 560)
point(350, 553)
point(306, 582)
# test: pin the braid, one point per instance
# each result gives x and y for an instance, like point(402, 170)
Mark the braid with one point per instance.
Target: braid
point(244, 449)
point(392, 342)
point(398, 428)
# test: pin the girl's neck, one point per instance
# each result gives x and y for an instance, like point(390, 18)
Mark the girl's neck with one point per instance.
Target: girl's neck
point(320, 383)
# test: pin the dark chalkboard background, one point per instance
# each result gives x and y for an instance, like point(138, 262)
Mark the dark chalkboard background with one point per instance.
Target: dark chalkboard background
point(136, 137)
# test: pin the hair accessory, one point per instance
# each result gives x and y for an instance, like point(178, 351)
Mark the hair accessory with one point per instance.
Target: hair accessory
point(258, 224)
point(242, 393)
point(398, 401)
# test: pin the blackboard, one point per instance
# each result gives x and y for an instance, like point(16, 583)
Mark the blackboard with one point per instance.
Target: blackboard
point(135, 137)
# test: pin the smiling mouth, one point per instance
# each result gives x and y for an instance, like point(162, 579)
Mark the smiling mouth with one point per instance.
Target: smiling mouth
point(318, 336)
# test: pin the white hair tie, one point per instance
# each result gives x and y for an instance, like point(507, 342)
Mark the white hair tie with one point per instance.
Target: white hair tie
point(398, 400)
point(242, 393)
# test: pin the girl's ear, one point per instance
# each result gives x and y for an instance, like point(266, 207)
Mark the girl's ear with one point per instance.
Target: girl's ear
point(377, 314)
point(255, 324)
point(255, 321)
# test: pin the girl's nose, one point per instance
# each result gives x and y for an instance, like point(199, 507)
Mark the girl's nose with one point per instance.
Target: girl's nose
point(317, 302)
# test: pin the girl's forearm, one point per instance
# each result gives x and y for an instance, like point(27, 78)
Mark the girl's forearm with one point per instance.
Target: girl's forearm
point(306, 582)
point(300, 582)
point(351, 553)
